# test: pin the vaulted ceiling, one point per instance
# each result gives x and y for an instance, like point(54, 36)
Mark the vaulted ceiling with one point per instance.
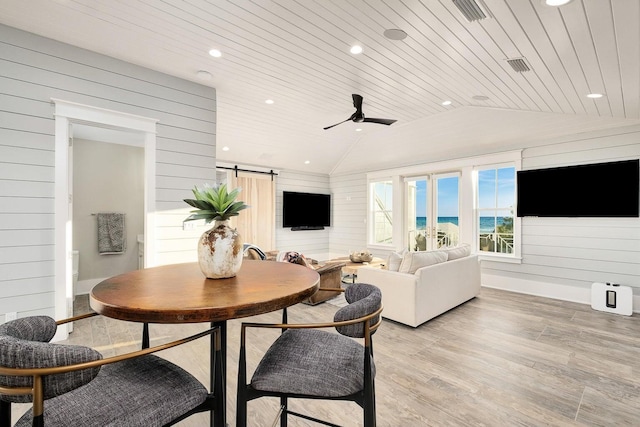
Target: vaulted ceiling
point(297, 53)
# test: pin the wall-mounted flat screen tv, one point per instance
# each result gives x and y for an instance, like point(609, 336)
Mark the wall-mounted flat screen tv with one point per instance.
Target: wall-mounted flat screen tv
point(306, 211)
point(609, 189)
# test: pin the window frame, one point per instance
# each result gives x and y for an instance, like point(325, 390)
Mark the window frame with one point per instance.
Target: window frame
point(371, 213)
point(515, 255)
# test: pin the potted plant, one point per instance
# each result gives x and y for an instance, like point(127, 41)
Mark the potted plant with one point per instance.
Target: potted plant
point(220, 248)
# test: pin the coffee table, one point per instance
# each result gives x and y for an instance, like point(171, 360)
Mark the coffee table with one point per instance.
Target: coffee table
point(350, 269)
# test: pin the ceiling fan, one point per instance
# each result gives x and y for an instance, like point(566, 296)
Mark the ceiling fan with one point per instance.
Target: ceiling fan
point(358, 116)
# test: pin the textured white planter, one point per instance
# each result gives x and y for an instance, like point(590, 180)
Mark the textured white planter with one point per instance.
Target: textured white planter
point(220, 251)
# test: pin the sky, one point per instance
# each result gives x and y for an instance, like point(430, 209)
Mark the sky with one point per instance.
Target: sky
point(448, 192)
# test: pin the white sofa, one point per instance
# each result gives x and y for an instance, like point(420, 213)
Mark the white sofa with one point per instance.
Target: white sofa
point(414, 298)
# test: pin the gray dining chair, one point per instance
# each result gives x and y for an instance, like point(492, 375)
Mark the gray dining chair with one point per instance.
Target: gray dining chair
point(73, 385)
point(307, 362)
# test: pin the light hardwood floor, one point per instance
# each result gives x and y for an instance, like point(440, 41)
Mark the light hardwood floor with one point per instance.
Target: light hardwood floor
point(501, 359)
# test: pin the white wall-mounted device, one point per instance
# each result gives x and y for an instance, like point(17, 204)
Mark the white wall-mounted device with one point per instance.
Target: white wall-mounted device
point(612, 298)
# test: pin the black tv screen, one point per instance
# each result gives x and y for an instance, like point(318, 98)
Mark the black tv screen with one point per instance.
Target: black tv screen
point(306, 211)
point(609, 189)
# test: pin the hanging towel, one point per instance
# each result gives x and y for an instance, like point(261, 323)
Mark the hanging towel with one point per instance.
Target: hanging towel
point(111, 236)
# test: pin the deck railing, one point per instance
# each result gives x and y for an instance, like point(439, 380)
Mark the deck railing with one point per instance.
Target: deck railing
point(497, 242)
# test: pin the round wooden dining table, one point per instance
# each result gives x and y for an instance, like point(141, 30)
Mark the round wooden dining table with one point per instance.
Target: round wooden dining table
point(180, 293)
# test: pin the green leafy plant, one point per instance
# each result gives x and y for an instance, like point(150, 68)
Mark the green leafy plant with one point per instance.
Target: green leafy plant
point(214, 203)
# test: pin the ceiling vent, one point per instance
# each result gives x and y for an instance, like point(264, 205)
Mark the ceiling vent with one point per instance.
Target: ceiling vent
point(518, 65)
point(471, 9)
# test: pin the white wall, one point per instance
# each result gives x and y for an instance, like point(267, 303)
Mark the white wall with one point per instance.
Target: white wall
point(32, 71)
point(349, 232)
point(107, 177)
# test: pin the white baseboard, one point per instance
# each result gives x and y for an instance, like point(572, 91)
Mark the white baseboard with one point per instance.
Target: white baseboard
point(84, 286)
point(543, 289)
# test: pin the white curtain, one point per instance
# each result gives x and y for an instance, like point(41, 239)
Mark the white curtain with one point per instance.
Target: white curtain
point(256, 225)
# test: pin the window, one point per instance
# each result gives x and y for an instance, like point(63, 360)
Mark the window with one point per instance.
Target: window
point(495, 207)
point(381, 212)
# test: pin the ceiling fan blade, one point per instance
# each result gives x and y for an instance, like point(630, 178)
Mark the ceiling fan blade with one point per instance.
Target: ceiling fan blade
point(329, 127)
point(380, 121)
point(357, 101)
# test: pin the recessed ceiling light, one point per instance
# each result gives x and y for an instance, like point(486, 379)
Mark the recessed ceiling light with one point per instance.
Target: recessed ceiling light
point(356, 49)
point(269, 101)
point(595, 95)
point(215, 53)
point(556, 3)
point(480, 98)
point(395, 34)
point(225, 148)
point(204, 75)
point(359, 130)
point(306, 162)
point(445, 103)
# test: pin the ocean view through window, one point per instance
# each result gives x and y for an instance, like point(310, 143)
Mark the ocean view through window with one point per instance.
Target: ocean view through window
point(495, 210)
point(487, 223)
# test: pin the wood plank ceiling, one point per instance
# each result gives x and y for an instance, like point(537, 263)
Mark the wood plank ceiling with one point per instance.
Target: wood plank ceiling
point(296, 53)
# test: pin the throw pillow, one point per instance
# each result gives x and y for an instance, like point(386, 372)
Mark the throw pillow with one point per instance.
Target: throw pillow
point(415, 260)
point(455, 252)
point(395, 259)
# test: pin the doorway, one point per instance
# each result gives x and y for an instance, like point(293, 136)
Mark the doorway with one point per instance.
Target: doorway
point(67, 115)
point(106, 170)
point(432, 208)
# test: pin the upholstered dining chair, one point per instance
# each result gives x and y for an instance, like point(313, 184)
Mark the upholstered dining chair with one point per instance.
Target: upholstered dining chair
point(253, 252)
point(72, 385)
point(308, 362)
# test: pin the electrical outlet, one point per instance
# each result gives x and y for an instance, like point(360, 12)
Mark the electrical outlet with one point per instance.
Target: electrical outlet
point(188, 225)
point(10, 316)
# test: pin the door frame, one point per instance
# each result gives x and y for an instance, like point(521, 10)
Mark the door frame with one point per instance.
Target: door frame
point(65, 114)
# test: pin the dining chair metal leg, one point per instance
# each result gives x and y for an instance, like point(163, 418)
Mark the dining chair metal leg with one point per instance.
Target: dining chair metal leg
point(219, 416)
point(241, 403)
point(284, 411)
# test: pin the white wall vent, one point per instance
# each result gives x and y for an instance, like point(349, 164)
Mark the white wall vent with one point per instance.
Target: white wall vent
point(519, 65)
point(471, 10)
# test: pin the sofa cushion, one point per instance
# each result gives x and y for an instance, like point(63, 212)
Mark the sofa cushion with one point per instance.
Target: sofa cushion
point(455, 252)
point(415, 260)
point(395, 259)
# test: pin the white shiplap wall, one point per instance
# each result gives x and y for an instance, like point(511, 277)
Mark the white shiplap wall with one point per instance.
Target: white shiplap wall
point(311, 243)
point(32, 71)
point(349, 232)
point(562, 257)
